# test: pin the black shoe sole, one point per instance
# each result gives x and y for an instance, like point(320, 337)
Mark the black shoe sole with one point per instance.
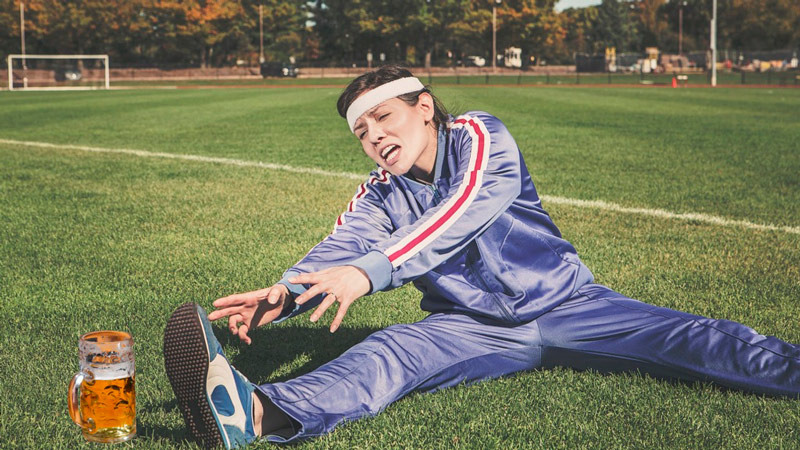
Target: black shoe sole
point(186, 363)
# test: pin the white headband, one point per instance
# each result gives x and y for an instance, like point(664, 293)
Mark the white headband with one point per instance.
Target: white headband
point(379, 95)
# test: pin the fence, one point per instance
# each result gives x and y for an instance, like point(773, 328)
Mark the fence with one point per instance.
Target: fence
point(552, 75)
point(778, 79)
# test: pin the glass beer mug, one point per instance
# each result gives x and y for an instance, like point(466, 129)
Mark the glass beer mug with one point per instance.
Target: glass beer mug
point(102, 398)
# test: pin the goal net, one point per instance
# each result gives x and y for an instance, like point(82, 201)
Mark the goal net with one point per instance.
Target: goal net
point(58, 72)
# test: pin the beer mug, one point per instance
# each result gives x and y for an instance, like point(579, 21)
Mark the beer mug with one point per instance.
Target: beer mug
point(102, 398)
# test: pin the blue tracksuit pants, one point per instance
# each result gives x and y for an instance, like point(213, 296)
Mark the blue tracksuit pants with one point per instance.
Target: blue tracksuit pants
point(597, 328)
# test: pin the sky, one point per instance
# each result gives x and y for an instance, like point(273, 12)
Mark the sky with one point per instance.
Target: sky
point(564, 4)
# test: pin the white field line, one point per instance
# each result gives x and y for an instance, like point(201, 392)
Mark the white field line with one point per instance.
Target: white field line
point(208, 159)
point(594, 204)
point(697, 217)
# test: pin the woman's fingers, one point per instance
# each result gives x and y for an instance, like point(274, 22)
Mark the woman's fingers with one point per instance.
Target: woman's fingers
point(250, 309)
point(233, 321)
point(329, 300)
point(220, 313)
point(231, 300)
point(312, 292)
point(241, 299)
point(326, 303)
point(276, 293)
point(310, 277)
point(340, 313)
point(341, 284)
point(305, 278)
point(243, 329)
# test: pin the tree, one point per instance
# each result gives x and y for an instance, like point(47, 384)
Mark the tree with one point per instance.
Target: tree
point(9, 26)
point(614, 27)
point(578, 23)
point(336, 28)
point(285, 30)
point(208, 23)
point(349, 29)
point(220, 32)
point(534, 26)
point(696, 24)
point(471, 34)
point(653, 22)
point(760, 24)
point(79, 26)
point(433, 23)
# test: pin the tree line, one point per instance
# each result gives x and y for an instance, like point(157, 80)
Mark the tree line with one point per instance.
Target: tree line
point(215, 33)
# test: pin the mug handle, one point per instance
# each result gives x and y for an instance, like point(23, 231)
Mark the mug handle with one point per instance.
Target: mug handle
point(74, 398)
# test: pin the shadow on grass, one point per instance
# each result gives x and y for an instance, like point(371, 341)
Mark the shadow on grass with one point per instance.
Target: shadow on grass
point(163, 432)
point(276, 346)
point(272, 348)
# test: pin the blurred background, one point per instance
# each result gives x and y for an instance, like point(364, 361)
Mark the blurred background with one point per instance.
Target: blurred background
point(157, 39)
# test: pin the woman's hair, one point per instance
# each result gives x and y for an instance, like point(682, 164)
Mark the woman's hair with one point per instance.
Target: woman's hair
point(383, 75)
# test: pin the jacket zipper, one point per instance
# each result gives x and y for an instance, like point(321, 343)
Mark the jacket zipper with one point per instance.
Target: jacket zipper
point(435, 193)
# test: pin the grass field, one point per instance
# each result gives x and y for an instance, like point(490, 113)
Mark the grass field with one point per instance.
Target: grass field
point(116, 241)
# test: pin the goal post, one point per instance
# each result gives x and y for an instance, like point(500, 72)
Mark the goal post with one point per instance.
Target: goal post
point(49, 79)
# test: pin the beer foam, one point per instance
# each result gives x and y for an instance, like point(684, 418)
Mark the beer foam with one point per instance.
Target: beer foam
point(107, 364)
point(109, 371)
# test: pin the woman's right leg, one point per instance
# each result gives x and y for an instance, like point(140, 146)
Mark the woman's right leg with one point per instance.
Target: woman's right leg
point(440, 351)
point(603, 330)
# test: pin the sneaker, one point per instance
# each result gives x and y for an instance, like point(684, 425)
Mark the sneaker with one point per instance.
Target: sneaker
point(215, 399)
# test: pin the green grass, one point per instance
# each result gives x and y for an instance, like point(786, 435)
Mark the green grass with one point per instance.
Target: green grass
point(106, 241)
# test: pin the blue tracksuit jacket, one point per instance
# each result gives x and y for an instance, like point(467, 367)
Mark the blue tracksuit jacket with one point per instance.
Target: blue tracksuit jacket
point(476, 241)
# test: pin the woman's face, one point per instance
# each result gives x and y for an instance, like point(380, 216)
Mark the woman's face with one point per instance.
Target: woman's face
point(400, 137)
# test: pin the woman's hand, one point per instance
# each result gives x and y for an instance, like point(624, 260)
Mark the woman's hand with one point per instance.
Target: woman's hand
point(343, 284)
point(251, 309)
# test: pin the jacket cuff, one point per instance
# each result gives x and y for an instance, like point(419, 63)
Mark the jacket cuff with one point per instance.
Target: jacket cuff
point(294, 289)
point(290, 308)
point(377, 267)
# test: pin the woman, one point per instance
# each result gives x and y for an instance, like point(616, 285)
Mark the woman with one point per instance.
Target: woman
point(451, 208)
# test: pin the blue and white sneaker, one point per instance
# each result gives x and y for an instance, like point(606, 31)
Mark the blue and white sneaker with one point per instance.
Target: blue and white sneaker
point(215, 399)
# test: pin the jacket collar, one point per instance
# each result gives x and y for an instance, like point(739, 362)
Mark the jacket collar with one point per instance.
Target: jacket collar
point(441, 144)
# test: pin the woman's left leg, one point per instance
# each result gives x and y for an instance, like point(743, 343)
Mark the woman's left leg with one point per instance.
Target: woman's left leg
point(439, 351)
point(603, 330)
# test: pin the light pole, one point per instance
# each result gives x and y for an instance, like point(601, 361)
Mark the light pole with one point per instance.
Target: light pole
point(680, 28)
point(714, 44)
point(261, 34)
point(22, 44)
point(494, 34)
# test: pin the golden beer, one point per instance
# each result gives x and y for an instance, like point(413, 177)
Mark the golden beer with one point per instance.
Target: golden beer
point(102, 398)
point(111, 404)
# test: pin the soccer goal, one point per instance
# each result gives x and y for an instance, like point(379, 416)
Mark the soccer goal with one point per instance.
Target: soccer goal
point(58, 72)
